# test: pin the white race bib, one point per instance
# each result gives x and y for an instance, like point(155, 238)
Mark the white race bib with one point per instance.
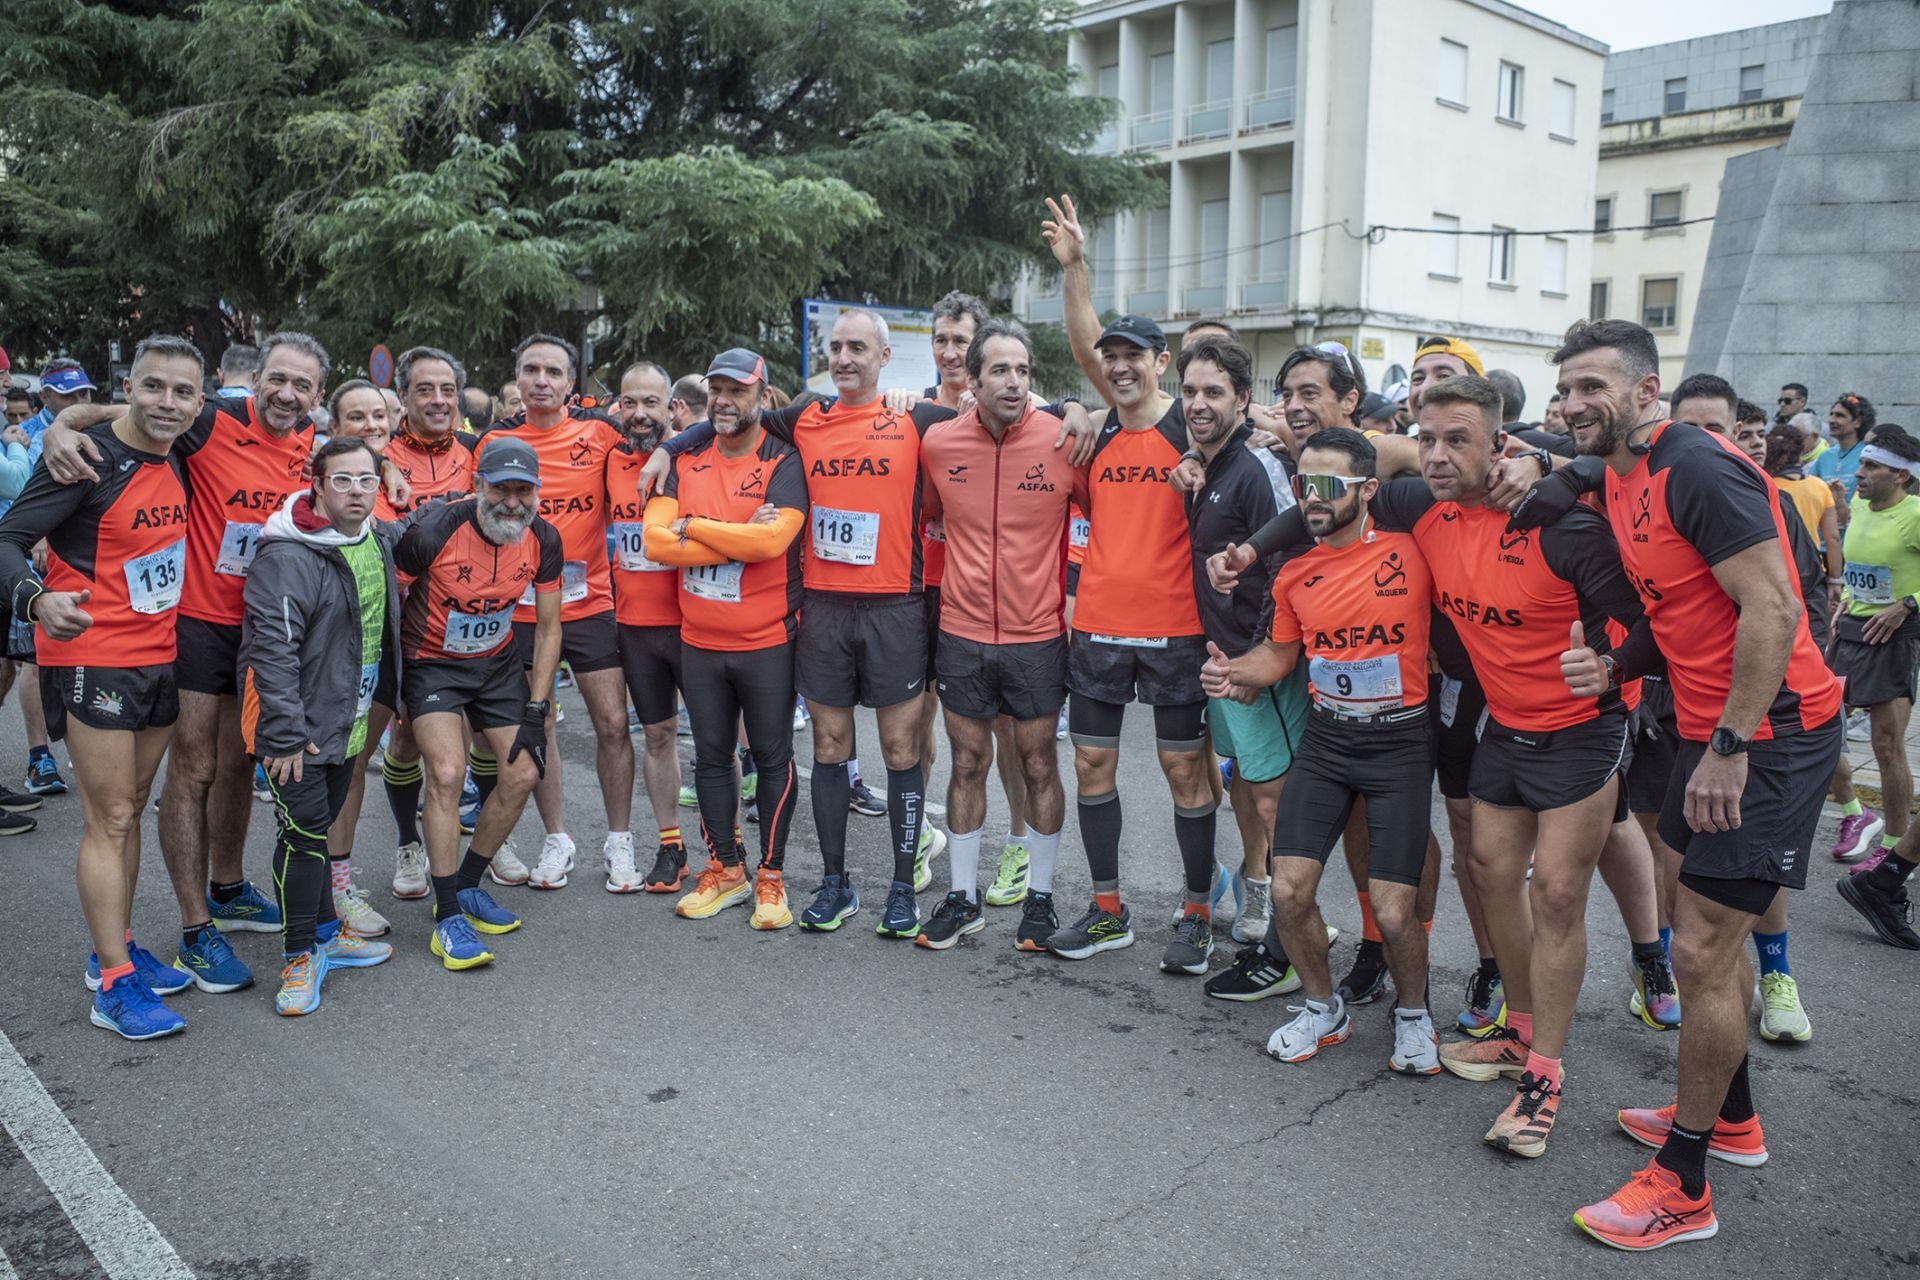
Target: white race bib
point(573, 584)
point(717, 582)
point(1449, 700)
point(369, 677)
point(629, 544)
point(477, 632)
point(847, 537)
point(1870, 583)
point(936, 531)
point(153, 580)
point(1359, 686)
point(237, 546)
point(1131, 642)
point(1079, 529)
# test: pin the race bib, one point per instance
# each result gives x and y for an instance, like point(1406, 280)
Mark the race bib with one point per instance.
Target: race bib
point(1449, 700)
point(936, 531)
point(369, 677)
point(847, 537)
point(717, 582)
point(237, 546)
point(1359, 686)
point(573, 584)
point(153, 580)
point(477, 632)
point(1870, 583)
point(1131, 642)
point(1079, 529)
point(629, 545)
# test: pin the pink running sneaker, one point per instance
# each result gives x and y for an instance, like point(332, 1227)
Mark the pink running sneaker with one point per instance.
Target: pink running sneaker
point(1858, 835)
point(1872, 860)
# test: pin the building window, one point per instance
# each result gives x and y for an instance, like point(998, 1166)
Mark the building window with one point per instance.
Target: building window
point(1606, 106)
point(1561, 126)
point(1510, 85)
point(1554, 273)
point(1603, 216)
point(1443, 247)
point(1660, 303)
point(1665, 208)
point(1753, 83)
point(1598, 297)
point(1676, 95)
point(1453, 74)
point(1500, 256)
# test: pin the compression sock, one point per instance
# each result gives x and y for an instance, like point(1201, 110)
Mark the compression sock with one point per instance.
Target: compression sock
point(228, 892)
point(446, 897)
point(1100, 833)
point(485, 767)
point(472, 867)
point(1042, 853)
point(905, 800)
point(1892, 872)
point(853, 771)
point(1193, 831)
point(964, 851)
point(1773, 952)
point(832, 785)
point(1369, 927)
point(403, 779)
point(1685, 1156)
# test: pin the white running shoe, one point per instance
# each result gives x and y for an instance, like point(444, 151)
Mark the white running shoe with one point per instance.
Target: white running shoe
point(410, 873)
point(350, 905)
point(556, 862)
point(1256, 910)
point(617, 854)
point(506, 868)
point(1416, 1047)
point(1317, 1026)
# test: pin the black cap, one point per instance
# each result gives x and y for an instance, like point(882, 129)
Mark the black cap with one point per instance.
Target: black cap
point(739, 364)
point(1138, 330)
point(1377, 408)
point(507, 459)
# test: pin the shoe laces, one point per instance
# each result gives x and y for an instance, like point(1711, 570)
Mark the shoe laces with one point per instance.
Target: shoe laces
point(1644, 1191)
point(900, 899)
point(769, 889)
point(711, 876)
point(1039, 906)
point(299, 972)
point(1012, 859)
point(1657, 975)
point(1778, 991)
point(1194, 929)
point(1479, 991)
point(1532, 1094)
point(459, 930)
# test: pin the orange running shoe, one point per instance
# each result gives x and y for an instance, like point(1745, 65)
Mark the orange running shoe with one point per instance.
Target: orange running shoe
point(1522, 1129)
point(1650, 1211)
point(770, 910)
point(718, 888)
point(1501, 1052)
point(1742, 1144)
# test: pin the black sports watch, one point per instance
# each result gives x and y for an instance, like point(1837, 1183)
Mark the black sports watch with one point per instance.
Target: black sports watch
point(1725, 742)
point(1913, 606)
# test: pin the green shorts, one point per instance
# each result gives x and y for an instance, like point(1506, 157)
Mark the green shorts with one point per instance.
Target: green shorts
point(1260, 738)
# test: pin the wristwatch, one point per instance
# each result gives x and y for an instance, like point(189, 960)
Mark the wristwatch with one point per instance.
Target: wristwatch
point(1913, 606)
point(1725, 742)
point(1612, 664)
point(1542, 457)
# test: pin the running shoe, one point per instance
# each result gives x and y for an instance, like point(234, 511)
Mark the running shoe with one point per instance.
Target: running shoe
point(1224, 882)
point(1523, 1128)
point(300, 984)
point(1311, 1030)
point(346, 949)
point(1060, 727)
point(1038, 922)
point(469, 817)
point(834, 903)
point(410, 881)
point(800, 717)
point(1416, 1045)
point(1191, 950)
point(682, 727)
point(1368, 977)
point(1255, 974)
point(955, 918)
point(1255, 912)
point(1226, 774)
point(1868, 863)
point(1781, 1017)
point(1656, 999)
point(262, 785)
point(130, 1010)
point(1743, 1144)
point(555, 865)
point(1096, 931)
point(689, 798)
point(43, 778)
point(1859, 836)
point(458, 946)
point(1649, 1212)
point(1859, 726)
point(718, 888)
point(862, 800)
point(212, 964)
point(750, 811)
point(563, 679)
point(1010, 878)
point(484, 914)
point(506, 867)
point(933, 841)
point(617, 855)
point(1486, 1001)
point(250, 912)
point(162, 980)
point(901, 916)
point(749, 786)
point(15, 802)
point(350, 906)
point(669, 869)
point(1889, 912)
point(770, 910)
point(17, 824)
point(1498, 1053)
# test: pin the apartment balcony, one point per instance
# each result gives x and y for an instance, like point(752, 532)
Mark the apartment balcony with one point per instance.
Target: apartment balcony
point(1107, 141)
point(1196, 299)
point(1261, 112)
point(1209, 120)
point(1047, 308)
point(1103, 300)
point(1267, 293)
point(1147, 302)
point(1151, 132)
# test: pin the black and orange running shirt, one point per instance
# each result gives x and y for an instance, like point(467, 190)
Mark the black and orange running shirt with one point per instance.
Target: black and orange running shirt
point(122, 537)
point(573, 499)
point(1692, 500)
point(433, 468)
point(238, 473)
point(1136, 583)
point(465, 590)
point(645, 594)
point(735, 606)
point(1360, 614)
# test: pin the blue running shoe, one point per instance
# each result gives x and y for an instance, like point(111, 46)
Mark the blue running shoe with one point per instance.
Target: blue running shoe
point(212, 964)
point(901, 919)
point(348, 950)
point(469, 805)
point(300, 983)
point(485, 914)
point(262, 788)
point(458, 946)
point(129, 1009)
point(832, 904)
point(1226, 773)
point(162, 980)
point(43, 779)
point(251, 912)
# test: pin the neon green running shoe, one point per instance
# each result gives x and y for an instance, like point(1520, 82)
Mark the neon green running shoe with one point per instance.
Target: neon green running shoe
point(1010, 881)
point(932, 841)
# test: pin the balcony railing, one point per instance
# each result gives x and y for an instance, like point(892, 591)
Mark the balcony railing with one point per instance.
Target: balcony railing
point(1151, 132)
point(1147, 302)
point(1107, 141)
point(1270, 110)
point(1209, 120)
point(1264, 294)
point(1046, 307)
point(1203, 297)
point(1103, 300)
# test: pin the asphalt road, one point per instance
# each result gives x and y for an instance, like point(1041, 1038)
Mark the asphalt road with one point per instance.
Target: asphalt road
point(626, 1094)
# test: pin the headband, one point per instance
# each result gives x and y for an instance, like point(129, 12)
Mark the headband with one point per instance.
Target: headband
point(1888, 459)
point(1453, 347)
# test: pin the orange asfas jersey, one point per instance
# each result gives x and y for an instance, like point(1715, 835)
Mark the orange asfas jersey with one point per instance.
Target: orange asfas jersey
point(238, 474)
point(1137, 579)
point(1691, 501)
point(645, 594)
point(1361, 615)
point(432, 468)
point(736, 607)
point(465, 588)
point(573, 499)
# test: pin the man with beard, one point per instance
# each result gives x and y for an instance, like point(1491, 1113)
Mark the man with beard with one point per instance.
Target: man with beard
point(471, 562)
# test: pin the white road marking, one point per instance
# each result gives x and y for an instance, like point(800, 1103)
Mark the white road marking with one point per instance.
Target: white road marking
point(6, 1268)
point(122, 1239)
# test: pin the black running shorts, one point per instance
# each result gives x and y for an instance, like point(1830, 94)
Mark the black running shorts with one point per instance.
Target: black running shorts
point(586, 644)
point(1459, 713)
point(1525, 769)
point(491, 691)
point(1158, 673)
point(1388, 766)
point(125, 698)
point(209, 657)
point(1875, 673)
point(650, 658)
point(984, 681)
point(855, 651)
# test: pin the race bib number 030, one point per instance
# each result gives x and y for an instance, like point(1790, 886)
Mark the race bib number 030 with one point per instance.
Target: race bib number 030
point(1870, 583)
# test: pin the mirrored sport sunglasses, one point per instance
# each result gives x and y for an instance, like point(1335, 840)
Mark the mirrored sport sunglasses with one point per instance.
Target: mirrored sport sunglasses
point(1325, 488)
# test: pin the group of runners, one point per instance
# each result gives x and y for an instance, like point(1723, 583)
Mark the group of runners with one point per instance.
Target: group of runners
point(1607, 646)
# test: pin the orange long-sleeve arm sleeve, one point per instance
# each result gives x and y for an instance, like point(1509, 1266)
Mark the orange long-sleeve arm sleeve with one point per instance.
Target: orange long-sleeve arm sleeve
point(666, 547)
point(749, 543)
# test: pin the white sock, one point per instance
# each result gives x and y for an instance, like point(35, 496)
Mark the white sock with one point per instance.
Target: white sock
point(1042, 851)
point(853, 769)
point(963, 852)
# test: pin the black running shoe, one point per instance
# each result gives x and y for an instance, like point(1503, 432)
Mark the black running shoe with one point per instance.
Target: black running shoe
point(1192, 947)
point(1038, 922)
point(863, 801)
point(1098, 930)
point(1367, 978)
point(1255, 974)
point(1890, 913)
point(669, 869)
point(15, 802)
point(16, 824)
point(952, 920)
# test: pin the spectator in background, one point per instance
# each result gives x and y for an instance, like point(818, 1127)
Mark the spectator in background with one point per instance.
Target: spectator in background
point(1793, 410)
point(477, 407)
point(507, 403)
point(19, 406)
point(62, 383)
point(1377, 413)
point(238, 365)
point(1400, 394)
point(689, 403)
point(1556, 421)
point(1848, 423)
point(1513, 396)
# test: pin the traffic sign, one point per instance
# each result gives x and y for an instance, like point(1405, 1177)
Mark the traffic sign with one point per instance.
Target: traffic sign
point(380, 366)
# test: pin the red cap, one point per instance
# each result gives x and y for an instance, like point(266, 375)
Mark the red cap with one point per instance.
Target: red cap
point(4, 362)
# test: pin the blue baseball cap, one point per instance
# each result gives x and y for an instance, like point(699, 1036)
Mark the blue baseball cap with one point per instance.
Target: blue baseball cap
point(1141, 331)
point(66, 377)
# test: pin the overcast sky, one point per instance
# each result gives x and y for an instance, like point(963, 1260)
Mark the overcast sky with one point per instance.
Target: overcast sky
point(1634, 24)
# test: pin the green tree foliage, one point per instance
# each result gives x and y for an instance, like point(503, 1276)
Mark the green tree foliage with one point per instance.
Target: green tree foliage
point(463, 171)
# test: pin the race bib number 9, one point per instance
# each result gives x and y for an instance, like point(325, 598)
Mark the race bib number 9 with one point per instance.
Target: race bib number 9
point(237, 546)
point(1357, 687)
point(153, 580)
point(846, 537)
point(630, 549)
point(476, 632)
point(717, 582)
point(1870, 583)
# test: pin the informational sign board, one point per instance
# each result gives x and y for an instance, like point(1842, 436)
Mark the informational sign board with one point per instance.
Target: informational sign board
point(909, 333)
point(380, 366)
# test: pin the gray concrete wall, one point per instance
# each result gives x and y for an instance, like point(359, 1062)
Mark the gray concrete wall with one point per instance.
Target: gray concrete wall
point(1711, 67)
point(1746, 189)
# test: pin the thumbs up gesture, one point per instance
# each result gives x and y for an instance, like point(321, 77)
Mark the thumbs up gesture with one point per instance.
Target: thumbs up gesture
point(1584, 670)
point(1216, 674)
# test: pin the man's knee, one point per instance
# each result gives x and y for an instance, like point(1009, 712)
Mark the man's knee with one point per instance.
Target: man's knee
point(659, 738)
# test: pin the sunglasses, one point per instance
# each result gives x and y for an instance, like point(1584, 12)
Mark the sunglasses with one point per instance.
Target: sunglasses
point(1325, 488)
